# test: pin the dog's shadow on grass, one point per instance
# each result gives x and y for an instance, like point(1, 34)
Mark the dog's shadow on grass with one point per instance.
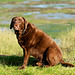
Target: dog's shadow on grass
point(15, 60)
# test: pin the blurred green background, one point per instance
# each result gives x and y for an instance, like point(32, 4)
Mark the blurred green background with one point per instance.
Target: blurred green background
point(52, 16)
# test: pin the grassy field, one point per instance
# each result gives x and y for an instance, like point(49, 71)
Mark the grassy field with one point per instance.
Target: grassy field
point(68, 44)
point(11, 56)
point(52, 29)
point(6, 13)
point(11, 0)
point(35, 0)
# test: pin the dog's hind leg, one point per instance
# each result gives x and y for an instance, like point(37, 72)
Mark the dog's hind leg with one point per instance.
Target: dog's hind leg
point(53, 57)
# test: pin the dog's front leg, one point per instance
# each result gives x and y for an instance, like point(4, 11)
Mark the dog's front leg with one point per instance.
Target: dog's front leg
point(26, 53)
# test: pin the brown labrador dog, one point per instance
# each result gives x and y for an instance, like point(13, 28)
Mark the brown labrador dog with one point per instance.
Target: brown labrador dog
point(37, 43)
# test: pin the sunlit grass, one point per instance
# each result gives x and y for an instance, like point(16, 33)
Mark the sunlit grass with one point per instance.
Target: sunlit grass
point(68, 44)
point(68, 39)
point(8, 44)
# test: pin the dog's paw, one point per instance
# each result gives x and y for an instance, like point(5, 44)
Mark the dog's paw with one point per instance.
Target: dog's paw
point(20, 68)
point(39, 64)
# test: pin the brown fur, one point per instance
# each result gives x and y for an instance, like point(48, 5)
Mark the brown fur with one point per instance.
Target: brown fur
point(37, 43)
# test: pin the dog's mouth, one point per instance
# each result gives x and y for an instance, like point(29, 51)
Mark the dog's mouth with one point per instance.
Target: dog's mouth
point(16, 31)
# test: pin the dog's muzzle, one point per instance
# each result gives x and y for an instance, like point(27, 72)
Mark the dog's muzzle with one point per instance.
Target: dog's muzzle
point(16, 31)
point(16, 27)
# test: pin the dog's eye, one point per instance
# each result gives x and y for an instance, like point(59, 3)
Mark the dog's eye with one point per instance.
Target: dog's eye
point(19, 19)
point(14, 20)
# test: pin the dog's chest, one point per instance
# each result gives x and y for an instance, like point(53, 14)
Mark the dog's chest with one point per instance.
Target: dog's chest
point(24, 43)
point(21, 43)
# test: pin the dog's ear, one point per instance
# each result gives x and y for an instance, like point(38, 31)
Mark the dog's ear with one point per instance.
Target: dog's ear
point(25, 23)
point(11, 24)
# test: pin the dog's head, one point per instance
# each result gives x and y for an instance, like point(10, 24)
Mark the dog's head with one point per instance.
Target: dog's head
point(19, 24)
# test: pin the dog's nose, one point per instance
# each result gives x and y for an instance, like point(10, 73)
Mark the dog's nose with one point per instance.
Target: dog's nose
point(16, 27)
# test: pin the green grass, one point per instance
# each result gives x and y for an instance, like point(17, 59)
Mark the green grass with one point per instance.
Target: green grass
point(24, 0)
point(51, 29)
point(4, 25)
point(9, 66)
point(54, 29)
point(56, 70)
point(8, 44)
point(11, 0)
point(67, 11)
point(57, 0)
point(68, 43)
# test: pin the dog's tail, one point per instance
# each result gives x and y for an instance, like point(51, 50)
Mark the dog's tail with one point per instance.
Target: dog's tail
point(67, 64)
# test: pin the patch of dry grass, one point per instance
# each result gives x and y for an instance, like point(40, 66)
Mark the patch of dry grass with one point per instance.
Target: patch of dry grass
point(9, 44)
point(68, 45)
